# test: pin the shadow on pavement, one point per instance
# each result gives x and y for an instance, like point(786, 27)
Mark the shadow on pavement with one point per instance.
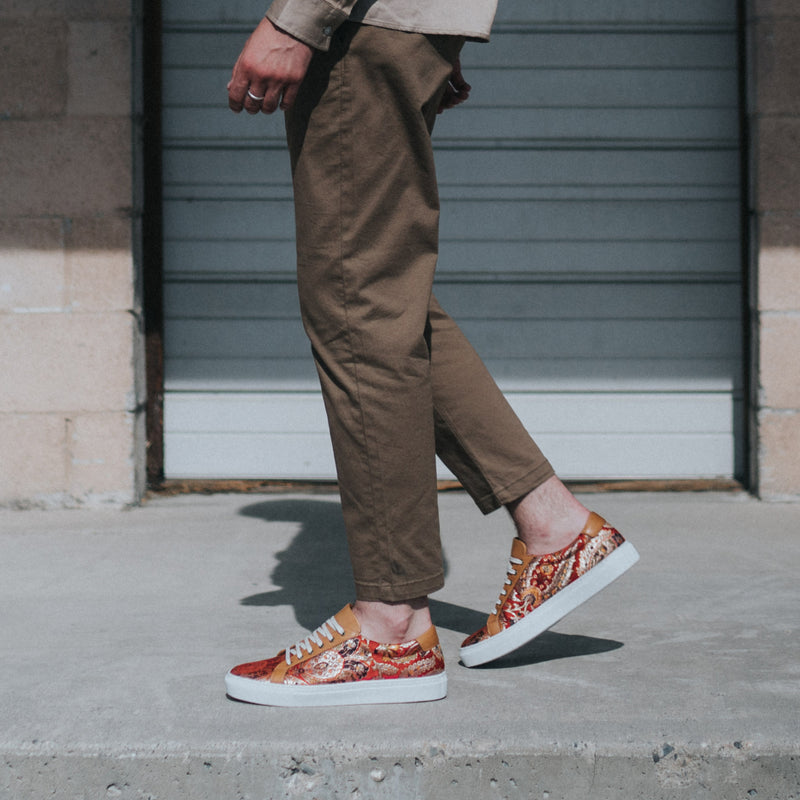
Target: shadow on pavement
point(313, 573)
point(549, 646)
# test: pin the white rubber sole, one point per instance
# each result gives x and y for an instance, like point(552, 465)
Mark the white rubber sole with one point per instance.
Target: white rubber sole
point(379, 690)
point(554, 609)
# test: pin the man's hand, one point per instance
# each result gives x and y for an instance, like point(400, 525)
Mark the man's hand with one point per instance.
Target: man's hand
point(457, 90)
point(269, 71)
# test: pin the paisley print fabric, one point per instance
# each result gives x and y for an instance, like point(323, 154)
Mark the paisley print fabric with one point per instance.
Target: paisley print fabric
point(360, 659)
point(348, 658)
point(534, 580)
point(259, 670)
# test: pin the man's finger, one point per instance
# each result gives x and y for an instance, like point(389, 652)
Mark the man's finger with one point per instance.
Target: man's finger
point(272, 99)
point(289, 96)
point(237, 92)
point(457, 78)
point(253, 99)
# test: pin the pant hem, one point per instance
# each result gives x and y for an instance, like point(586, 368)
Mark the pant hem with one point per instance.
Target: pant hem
point(398, 593)
point(518, 488)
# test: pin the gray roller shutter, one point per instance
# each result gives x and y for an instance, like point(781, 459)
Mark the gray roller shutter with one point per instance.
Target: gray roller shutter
point(590, 243)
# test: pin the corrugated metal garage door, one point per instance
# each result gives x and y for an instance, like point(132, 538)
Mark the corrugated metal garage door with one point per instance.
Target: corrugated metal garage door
point(590, 243)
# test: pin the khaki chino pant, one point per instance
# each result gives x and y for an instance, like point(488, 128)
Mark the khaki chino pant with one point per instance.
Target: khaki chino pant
point(399, 380)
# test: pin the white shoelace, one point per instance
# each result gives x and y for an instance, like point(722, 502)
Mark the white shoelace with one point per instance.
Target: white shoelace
point(316, 638)
point(512, 573)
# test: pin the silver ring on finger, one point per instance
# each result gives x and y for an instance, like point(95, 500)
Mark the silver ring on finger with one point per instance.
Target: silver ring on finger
point(254, 96)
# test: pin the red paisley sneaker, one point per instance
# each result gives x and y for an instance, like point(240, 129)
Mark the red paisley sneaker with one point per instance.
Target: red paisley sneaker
point(540, 590)
point(336, 666)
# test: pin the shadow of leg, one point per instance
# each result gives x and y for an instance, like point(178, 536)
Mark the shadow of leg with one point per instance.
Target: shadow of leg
point(456, 618)
point(551, 646)
point(313, 574)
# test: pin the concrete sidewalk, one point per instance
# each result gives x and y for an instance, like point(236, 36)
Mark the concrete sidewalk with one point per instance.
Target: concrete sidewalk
point(679, 681)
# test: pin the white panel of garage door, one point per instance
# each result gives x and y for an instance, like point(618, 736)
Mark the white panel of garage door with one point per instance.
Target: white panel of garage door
point(590, 243)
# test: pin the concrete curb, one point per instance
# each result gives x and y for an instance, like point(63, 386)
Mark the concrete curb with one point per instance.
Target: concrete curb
point(672, 772)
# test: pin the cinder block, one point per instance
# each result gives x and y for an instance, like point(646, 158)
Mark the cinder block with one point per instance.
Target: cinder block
point(779, 229)
point(99, 69)
point(773, 8)
point(68, 167)
point(779, 344)
point(100, 270)
point(67, 363)
point(779, 466)
point(779, 279)
point(65, 9)
point(100, 9)
point(33, 79)
point(32, 264)
point(100, 280)
point(777, 65)
point(45, 233)
point(778, 164)
point(34, 458)
point(101, 448)
point(98, 233)
point(24, 9)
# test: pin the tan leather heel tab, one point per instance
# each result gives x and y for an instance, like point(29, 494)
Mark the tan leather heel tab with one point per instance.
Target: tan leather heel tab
point(429, 639)
point(593, 525)
point(348, 620)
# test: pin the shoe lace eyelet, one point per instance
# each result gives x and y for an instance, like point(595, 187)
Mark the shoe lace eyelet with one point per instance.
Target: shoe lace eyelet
point(511, 573)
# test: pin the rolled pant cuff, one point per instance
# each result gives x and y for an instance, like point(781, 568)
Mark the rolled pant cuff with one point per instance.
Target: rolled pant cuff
point(400, 592)
point(518, 488)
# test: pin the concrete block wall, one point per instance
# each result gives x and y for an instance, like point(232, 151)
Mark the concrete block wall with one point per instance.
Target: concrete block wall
point(774, 127)
point(71, 366)
point(71, 387)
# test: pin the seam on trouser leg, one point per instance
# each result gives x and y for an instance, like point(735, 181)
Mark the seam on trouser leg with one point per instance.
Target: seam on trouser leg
point(345, 198)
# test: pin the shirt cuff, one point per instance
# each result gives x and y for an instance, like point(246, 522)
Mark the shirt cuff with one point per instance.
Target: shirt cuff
point(310, 21)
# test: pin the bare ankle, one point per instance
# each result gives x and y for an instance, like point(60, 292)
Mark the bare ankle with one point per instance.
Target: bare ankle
point(392, 623)
point(548, 518)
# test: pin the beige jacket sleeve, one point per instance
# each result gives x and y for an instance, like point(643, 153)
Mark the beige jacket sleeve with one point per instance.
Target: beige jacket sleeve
point(310, 21)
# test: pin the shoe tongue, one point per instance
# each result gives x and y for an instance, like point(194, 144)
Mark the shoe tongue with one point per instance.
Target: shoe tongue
point(593, 525)
point(347, 619)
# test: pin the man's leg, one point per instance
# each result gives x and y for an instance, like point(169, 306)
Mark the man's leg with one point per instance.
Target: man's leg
point(563, 554)
point(367, 230)
point(482, 440)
